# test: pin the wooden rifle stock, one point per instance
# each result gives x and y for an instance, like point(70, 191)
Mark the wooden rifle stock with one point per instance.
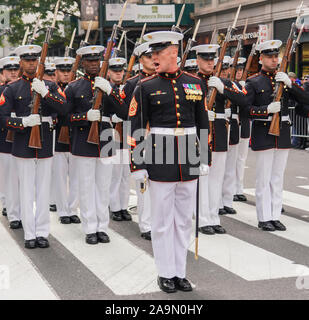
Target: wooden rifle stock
point(275, 122)
point(35, 136)
point(130, 68)
point(93, 136)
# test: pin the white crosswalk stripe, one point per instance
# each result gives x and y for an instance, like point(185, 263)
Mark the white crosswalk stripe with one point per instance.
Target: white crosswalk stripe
point(297, 230)
point(290, 199)
point(122, 266)
point(18, 277)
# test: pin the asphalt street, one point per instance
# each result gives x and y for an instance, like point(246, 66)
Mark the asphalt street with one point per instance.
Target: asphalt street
point(245, 263)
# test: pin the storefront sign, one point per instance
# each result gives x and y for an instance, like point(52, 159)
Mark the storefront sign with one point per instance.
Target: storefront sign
point(142, 13)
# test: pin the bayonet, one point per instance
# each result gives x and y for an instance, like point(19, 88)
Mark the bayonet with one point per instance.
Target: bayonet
point(212, 40)
point(25, 36)
point(70, 47)
point(116, 50)
point(236, 18)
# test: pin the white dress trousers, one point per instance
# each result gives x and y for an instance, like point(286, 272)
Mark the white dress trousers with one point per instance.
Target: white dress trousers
point(34, 181)
point(215, 183)
point(4, 175)
point(94, 179)
point(229, 180)
point(270, 167)
point(143, 207)
point(64, 183)
point(243, 148)
point(120, 185)
point(13, 199)
point(172, 207)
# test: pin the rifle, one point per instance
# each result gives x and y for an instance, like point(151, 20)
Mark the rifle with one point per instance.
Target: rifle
point(189, 45)
point(83, 43)
point(93, 136)
point(291, 45)
point(64, 135)
point(117, 50)
point(10, 133)
point(35, 136)
point(249, 62)
point(213, 91)
point(235, 61)
point(133, 57)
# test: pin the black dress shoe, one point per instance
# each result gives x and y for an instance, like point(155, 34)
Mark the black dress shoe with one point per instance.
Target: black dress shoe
point(4, 213)
point(52, 208)
point(282, 210)
point(16, 224)
point(30, 244)
point(278, 225)
point(230, 210)
point(75, 219)
point(42, 242)
point(103, 237)
point(182, 284)
point(91, 238)
point(65, 220)
point(117, 215)
point(239, 197)
point(166, 285)
point(146, 235)
point(222, 211)
point(126, 215)
point(207, 230)
point(266, 226)
point(218, 229)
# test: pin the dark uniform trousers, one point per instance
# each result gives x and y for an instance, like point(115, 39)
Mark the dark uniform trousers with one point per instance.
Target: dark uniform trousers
point(213, 183)
point(174, 106)
point(94, 163)
point(271, 151)
point(33, 165)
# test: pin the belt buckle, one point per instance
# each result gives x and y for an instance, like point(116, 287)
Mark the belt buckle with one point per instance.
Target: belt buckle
point(179, 131)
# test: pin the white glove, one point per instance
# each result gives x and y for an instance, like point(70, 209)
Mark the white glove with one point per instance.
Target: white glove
point(211, 115)
point(140, 175)
point(227, 113)
point(39, 87)
point(93, 115)
point(216, 83)
point(116, 119)
point(31, 121)
point(274, 107)
point(242, 83)
point(283, 77)
point(103, 85)
point(204, 169)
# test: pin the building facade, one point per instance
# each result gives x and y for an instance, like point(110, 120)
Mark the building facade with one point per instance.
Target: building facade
point(276, 16)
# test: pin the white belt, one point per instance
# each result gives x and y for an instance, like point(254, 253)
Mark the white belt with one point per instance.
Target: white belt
point(283, 118)
point(220, 116)
point(173, 131)
point(106, 119)
point(235, 116)
point(48, 119)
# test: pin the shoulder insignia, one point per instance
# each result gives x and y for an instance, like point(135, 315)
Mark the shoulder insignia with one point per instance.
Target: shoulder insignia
point(2, 99)
point(134, 77)
point(13, 81)
point(191, 75)
point(61, 92)
point(253, 76)
point(133, 107)
point(149, 78)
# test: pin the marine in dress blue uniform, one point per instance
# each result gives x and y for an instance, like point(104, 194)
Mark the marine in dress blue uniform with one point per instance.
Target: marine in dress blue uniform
point(93, 162)
point(271, 152)
point(173, 103)
point(33, 165)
